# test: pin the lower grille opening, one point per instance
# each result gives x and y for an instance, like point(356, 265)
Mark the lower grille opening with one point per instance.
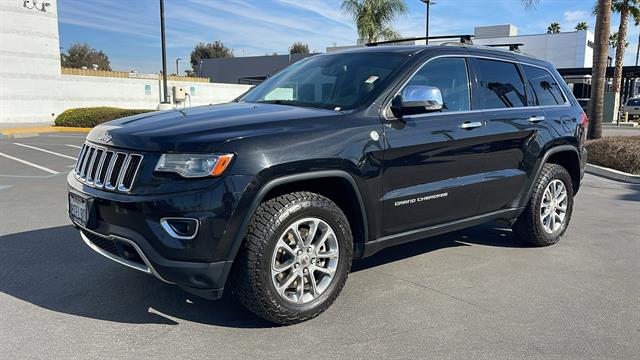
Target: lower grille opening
point(116, 248)
point(104, 244)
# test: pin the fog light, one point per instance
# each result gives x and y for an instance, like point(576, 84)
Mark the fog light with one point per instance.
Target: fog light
point(180, 228)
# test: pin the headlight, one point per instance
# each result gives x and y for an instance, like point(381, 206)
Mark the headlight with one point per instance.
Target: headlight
point(194, 165)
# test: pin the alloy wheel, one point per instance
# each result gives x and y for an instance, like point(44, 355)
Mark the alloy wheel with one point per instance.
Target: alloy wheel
point(304, 260)
point(553, 208)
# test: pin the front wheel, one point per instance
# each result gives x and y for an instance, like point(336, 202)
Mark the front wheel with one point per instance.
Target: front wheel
point(547, 215)
point(295, 258)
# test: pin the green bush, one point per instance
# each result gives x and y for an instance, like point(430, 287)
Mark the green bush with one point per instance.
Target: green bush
point(90, 117)
point(616, 152)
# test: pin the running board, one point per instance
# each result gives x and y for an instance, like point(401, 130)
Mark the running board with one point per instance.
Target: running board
point(374, 246)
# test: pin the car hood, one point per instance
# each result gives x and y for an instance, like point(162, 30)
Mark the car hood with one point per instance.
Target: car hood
point(202, 129)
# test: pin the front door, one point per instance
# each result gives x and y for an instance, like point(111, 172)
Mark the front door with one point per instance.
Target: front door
point(433, 162)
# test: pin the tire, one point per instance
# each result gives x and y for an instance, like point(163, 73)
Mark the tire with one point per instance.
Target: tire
point(263, 251)
point(530, 226)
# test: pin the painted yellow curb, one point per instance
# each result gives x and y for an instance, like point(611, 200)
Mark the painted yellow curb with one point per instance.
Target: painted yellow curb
point(44, 129)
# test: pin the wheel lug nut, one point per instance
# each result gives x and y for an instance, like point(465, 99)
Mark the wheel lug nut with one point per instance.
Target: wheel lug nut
point(296, 265)
point(306, 270)
point(299, 252)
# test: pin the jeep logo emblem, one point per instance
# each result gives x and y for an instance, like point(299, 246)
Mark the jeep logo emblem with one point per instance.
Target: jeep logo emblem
point(105, 137)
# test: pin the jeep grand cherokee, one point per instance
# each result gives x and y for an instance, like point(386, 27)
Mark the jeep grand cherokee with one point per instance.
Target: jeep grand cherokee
point(333, 159)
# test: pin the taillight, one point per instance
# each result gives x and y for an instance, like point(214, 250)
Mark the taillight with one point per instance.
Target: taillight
point(584, 119)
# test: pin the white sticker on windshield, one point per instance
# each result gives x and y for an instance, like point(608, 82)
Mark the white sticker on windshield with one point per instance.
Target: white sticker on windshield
point(371, 79)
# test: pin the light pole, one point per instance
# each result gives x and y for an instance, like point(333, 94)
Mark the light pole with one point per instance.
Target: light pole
point(428, 3)
point(165, 99)
point(177, 69)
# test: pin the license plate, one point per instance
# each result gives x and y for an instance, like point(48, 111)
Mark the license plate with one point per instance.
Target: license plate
point(78, 210)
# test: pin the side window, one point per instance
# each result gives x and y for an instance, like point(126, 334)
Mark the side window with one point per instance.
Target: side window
point(545, 89)
point(451, 77)
point(501, 85)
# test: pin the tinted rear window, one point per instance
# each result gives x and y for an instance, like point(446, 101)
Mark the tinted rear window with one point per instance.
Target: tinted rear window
point(545, 90)
point(501, 85)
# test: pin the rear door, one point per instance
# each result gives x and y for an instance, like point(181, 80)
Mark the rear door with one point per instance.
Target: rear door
point(512, 128)
point(433, 162)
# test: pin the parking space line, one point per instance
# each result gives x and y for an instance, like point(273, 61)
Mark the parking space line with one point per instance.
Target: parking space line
point(47, 151)
point(30, 164)
point(74, 146)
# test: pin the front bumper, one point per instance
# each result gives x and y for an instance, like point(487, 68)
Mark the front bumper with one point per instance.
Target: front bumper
point(127, 229)
point(203, 279)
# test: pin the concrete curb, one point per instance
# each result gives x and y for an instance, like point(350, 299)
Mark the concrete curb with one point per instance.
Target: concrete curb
point(612, 174)
point(35, 131)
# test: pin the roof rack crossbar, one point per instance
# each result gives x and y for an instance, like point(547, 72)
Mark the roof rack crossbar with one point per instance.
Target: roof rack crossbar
point(511, 46)
point(464, 39)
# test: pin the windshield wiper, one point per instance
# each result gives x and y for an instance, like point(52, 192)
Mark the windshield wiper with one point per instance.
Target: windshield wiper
point(296, 103)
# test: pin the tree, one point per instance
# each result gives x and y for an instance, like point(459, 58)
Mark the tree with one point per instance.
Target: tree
point(212, 50)
point(613, 41)
point(582, 26)
point(299, 48)
point(373, 18)
point(554, 28)
point(82, 55)
point(599, 71)
point(625, 8)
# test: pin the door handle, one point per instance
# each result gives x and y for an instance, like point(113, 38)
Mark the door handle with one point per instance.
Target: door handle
point(470, 125)
point(535, 119)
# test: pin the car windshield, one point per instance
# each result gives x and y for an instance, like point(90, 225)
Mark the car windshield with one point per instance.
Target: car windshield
point(633, 102)
point(333, 81)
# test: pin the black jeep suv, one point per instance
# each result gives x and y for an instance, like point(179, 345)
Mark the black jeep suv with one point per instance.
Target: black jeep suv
point(333, 159)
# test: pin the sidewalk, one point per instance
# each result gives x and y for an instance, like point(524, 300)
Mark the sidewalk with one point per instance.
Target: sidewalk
point(4, 126)
point(13, 130)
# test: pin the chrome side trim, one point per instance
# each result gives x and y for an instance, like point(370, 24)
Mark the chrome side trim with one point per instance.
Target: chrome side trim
point(165, 225)
point(148, 269)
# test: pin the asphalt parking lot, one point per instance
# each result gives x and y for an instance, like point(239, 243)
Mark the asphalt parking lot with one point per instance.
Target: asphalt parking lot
point(477, 293)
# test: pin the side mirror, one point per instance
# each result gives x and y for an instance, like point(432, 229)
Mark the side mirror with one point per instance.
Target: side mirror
point(418, 99)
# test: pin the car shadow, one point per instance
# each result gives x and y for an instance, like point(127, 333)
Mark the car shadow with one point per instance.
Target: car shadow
point(53, 269)
point(491, 234)
point(634, 195)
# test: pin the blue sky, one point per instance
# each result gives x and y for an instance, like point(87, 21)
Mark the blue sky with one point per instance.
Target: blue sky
point(129, 31)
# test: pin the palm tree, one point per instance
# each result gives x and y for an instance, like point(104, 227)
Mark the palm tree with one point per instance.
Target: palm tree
point(554, 28)
point(600, 55)
point(373, 18)
point(626, 8)
point(599, 70)
point(613, 41)
point(582, 26)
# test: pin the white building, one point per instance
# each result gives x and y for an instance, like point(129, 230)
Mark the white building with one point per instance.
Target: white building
point(564, 50)
point(33, 88)
point(572, 49)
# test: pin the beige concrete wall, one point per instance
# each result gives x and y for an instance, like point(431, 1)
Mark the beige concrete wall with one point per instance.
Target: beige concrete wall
point(33, 88)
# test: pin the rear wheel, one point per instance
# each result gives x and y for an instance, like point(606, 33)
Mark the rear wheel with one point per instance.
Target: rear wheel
point(295, 258)
point(547, 215)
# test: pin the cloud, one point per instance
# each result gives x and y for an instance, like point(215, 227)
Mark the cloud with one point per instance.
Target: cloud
point(576, 16)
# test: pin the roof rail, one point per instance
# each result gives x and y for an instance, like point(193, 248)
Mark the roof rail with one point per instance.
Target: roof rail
point(464, 39)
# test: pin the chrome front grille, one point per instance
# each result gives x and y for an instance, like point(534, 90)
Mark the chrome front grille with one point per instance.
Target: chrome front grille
point(101, 167)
